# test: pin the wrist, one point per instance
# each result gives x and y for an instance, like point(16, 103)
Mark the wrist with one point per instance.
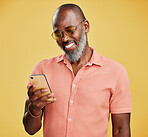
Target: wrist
point(34, 113)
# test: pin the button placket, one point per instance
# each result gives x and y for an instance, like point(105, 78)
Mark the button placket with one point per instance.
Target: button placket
point(69, 119)
point(71, 109)
point(71, 102)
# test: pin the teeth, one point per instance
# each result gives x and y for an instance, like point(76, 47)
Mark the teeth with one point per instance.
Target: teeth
point(68, 46)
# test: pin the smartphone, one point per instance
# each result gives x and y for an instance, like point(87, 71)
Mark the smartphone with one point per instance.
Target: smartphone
point(40, 82)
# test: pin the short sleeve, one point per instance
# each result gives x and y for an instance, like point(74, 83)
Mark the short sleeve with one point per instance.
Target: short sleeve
point(120, 101)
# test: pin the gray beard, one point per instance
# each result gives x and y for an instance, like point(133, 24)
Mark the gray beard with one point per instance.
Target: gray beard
point(74, 57)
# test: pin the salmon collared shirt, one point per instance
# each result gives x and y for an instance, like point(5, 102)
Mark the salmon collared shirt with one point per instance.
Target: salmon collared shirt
point(85, 101)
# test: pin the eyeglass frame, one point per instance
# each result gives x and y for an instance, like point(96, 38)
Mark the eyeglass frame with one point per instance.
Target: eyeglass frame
point(75, 27)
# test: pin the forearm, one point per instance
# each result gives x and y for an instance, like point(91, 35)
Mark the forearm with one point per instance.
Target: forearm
point(31, 124)
point(121, 125)
point(122, 132)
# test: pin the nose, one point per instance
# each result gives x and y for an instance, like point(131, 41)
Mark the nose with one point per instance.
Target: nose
point(64, 37)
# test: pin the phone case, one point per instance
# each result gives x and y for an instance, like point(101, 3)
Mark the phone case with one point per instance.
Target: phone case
point(40, 82)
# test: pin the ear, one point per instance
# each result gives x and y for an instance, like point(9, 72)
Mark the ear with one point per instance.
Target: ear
point(86, 26)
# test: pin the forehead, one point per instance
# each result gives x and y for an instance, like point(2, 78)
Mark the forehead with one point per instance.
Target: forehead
point(62, 19)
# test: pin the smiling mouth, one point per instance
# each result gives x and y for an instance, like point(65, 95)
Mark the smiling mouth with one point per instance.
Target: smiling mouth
point(69, 47)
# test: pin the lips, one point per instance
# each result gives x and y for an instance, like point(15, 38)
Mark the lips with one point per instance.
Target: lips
point(70, 46)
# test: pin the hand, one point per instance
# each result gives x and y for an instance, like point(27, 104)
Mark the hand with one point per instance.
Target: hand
point(38, 99)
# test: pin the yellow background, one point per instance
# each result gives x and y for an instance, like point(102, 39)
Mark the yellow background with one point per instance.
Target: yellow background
point(118, 30)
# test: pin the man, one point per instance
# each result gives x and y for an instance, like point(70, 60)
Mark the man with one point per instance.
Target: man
point(86, 86)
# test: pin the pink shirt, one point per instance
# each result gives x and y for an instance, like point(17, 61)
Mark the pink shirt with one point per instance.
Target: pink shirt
point(85, 101)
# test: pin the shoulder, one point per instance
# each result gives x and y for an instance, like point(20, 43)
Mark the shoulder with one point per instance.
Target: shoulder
point(49, 61)
point(114, 68)
point(108, 62)
point(46, 63)
point(105, 62)
point(111, 65)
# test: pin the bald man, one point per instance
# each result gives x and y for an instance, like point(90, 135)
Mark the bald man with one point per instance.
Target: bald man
point(86, 87)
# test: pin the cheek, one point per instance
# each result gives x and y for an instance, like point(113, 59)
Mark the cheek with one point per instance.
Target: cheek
point(75, 40)
point(77, 36)
point(59, 43)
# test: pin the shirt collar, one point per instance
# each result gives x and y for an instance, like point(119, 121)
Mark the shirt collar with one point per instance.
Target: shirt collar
point(95, 59)
point(62, 58)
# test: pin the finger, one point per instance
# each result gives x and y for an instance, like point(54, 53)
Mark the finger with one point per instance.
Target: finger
point(54, 99)
point(30, 90)
point(40, 104)
point(50, 95)
point(40, 91)
point(47, 97)
point(41, 95)
point(51, 100)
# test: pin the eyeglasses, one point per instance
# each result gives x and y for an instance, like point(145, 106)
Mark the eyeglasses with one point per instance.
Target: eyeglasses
point(69, 31)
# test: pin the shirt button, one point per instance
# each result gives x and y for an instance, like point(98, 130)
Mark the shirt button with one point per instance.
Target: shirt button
point(74, 85)
point(69, 119)
point(71, 101)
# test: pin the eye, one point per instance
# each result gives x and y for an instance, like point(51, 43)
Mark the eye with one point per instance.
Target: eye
point(70, 29)
point(57, 34)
